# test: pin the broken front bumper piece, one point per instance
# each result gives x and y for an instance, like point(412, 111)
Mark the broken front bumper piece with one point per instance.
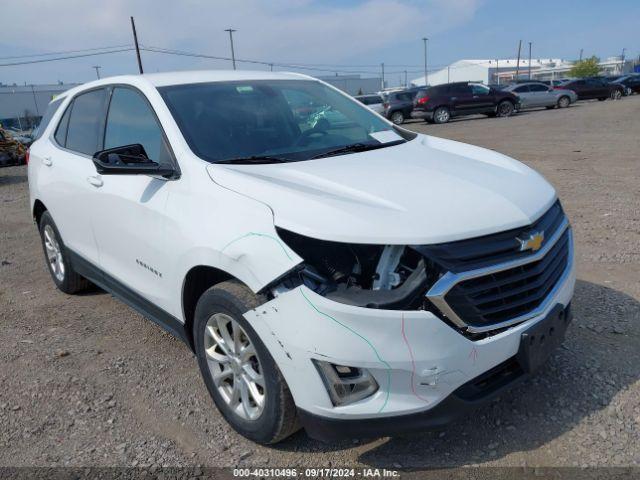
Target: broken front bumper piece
point(426, 371)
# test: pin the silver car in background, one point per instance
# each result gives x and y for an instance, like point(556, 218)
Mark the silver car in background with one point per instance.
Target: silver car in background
point(374, 102)
point(535, 94)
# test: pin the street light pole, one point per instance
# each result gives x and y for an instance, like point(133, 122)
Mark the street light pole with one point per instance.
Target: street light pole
point(426, 77)
point(382, 86)
point(97, 67)
point(233, 53)
point(529, 60)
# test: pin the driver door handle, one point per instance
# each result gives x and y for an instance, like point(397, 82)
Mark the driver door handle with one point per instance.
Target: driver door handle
point(47, 161)
point(95, 180)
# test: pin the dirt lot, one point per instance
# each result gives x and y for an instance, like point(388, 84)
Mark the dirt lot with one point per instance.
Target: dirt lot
point(86, 381)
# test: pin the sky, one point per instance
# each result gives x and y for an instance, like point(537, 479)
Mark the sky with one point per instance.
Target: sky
point(324, 36)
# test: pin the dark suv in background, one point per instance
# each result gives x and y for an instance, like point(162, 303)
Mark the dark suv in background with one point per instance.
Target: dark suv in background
point(440, 103)
point(594, 87)
point(398, 105)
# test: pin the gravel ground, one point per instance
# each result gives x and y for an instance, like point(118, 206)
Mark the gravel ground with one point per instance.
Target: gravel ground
point(85, 381)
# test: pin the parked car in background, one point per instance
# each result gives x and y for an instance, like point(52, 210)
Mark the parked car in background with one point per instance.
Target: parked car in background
point(533, 95)
point(631, 83)
point(440, 103)
point(398, 105)
point(592, 88)
point(374, 102)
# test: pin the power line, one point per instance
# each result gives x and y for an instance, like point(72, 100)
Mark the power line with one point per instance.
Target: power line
point(64, 52)
point(298, 66)
point(26, 62)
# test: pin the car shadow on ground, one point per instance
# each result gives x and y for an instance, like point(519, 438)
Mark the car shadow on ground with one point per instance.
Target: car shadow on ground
point(12, 179)
point(599, 358)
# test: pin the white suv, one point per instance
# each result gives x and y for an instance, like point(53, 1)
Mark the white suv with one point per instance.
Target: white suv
point(329, 269)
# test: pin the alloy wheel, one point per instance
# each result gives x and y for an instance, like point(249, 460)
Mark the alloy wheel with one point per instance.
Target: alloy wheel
point(54, 253)
point(442, 115)
point(235, 366)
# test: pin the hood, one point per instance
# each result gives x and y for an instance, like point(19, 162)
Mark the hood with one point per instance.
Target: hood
point(428, 190)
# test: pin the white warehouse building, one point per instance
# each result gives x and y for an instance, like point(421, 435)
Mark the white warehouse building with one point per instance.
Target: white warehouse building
point(506, 70)
point(485, 71)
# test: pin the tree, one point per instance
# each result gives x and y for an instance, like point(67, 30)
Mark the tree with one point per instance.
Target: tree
point(585, 68)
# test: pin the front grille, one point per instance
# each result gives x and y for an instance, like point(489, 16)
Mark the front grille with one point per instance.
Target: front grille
point(508, 294)
point(479, 252)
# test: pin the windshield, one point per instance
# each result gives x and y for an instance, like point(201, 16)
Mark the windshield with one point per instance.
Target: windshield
point(282, 119)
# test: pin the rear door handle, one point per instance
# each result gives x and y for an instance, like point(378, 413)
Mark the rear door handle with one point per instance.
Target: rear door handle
point(47, 161)
point(96, 181)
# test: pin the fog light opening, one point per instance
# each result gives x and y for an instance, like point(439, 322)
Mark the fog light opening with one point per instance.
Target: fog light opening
point(346, 384)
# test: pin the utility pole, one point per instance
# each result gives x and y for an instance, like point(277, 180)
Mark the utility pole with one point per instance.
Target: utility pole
point(405, 79)
point(448, 73)
point(382, 65)
point(271, 66)
point(497, 72)
point(529, 60)
point(233, 53)
point(426, 75)
point(97, 67)
point(518, 64)
point(135, 40)
point(581, 50)
point(35, 100)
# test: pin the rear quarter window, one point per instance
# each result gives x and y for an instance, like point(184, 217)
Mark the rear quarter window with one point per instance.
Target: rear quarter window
point(52, 108)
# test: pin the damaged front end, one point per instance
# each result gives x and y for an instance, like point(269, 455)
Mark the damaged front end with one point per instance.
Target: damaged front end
point(391, 277)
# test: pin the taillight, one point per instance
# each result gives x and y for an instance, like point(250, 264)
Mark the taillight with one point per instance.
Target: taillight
point(26, 157)
point(422, 100)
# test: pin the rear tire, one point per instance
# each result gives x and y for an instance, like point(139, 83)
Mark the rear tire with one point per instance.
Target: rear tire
point(57, 256)
point(441, 115)
point(397, 118)
point(505, 109)
point(263, 409)
point(564, 102)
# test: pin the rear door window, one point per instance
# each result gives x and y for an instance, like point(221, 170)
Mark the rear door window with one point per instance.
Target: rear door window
point(521, 89)
point(538, 88)
point(86, 121)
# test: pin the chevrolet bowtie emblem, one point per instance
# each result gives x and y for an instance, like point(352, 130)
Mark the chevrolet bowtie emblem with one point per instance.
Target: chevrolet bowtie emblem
point(533, 241)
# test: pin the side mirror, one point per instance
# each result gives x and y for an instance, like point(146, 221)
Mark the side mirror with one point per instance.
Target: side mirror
point(128, 160)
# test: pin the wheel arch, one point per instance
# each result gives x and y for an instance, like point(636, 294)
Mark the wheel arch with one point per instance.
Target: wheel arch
point(38, 209)
point(198, 280)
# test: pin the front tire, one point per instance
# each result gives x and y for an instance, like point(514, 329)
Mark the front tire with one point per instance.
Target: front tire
point(564, 102)
point(62, 273)
point(238, 370)
point(616, 95)
point(505, 109)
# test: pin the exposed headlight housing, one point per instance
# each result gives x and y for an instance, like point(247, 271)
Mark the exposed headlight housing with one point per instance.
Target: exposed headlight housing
point(345, 384)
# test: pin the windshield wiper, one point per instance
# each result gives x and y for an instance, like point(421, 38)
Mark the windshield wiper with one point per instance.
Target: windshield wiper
point(357, 147)
point(255, 159)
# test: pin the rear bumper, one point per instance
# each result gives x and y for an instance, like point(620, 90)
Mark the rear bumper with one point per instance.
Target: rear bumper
point(464, 400)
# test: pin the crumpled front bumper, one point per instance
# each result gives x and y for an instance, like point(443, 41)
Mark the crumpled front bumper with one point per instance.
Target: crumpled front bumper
point(415, 357)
